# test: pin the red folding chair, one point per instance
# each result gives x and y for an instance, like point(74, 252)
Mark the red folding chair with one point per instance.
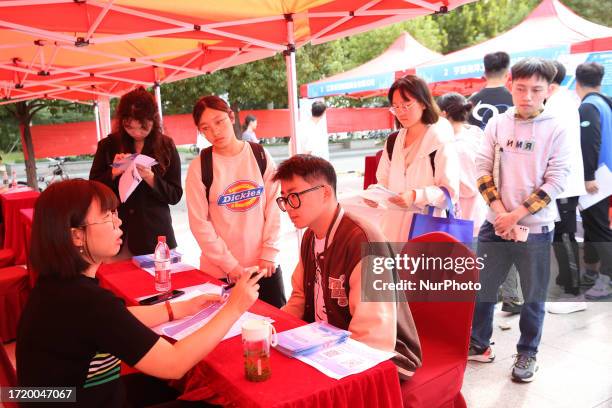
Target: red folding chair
point(444, 330)
point(14, 291)
point(8, 376)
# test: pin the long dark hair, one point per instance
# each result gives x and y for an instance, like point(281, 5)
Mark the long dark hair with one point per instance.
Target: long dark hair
point(139, 105)
point(62, 206)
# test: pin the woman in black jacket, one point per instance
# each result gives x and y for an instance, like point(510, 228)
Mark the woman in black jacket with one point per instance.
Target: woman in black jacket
point(146, 212)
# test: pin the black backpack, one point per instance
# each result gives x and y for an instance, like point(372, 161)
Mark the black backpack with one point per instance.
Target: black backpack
point(207, 164)
point(391, 144)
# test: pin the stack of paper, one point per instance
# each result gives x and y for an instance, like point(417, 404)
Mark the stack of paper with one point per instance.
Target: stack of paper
point(131, 178)
point(307, 339)
point(148, 261)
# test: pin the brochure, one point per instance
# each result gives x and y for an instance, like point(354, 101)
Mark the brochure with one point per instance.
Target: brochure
point(307, 339)
point(344, 359)
point(131, 178)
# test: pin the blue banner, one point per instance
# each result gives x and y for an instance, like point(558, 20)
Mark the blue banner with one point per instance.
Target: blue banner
point(475, 68)
point(351, 85)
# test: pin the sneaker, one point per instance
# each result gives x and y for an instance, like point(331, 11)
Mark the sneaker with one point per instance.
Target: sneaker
point(562, 307)
point(482, 356)
point(525, 368)
point(589, 278)
point(601, 289)
point(512, 306)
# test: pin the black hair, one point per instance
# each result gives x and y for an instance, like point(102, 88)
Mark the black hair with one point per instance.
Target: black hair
point(210, 102)
point(560, 75)
point(318, 109)
point(413, 87)
point(457, 108)
point(308, 167)
point(528, 67)
point(496, 63)
point(590, 74)
point(61, 207)
point(248, 119)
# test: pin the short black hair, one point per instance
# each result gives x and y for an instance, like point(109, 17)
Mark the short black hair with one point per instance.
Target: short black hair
point(62, 206)
point(308, 167)
point(457, 108)
point(318, 109)
point(560, 75)
point(590, 74)
point(528, 67)
point(496, 63)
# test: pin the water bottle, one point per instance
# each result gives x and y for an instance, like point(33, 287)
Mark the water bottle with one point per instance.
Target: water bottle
point(162, 265)
point(5, 179)
point(14, 182)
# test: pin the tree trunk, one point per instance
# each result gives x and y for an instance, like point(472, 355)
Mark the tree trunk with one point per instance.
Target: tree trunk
point(24, 117)
point(237, 124)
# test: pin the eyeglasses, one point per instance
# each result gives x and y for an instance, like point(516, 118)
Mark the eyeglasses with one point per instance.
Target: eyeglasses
point(403, 107)
point(114, 220)
point(293, 199)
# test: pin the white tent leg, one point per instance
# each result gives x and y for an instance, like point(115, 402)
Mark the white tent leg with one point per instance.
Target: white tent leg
point(97, 115)
point(292, 99)
point(157, 89)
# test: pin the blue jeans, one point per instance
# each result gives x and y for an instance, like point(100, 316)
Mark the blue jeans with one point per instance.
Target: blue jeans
point(532, 261)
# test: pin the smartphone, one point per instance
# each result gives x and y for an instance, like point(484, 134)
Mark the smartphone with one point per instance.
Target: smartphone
point(162, 297)
point(229, 286)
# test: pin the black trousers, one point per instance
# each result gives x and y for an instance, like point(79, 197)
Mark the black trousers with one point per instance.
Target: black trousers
point(145, 391)
point(565, 245)
point(598, 235)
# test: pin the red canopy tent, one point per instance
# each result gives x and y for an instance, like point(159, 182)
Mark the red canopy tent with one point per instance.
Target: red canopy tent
point(374, 77)
point(87, 49)
point(548, 32)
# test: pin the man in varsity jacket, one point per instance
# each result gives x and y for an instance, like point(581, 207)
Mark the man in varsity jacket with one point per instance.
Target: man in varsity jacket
point(327, 280)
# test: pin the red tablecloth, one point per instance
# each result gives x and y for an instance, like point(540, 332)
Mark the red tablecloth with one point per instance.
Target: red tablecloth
point(27, 215)
point(220, 377)
point(13, 229)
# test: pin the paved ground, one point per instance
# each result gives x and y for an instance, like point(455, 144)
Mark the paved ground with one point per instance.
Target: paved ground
point(575, 353)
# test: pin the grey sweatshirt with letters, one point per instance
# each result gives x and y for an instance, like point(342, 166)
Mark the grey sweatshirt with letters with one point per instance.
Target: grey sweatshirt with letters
point(535, 154)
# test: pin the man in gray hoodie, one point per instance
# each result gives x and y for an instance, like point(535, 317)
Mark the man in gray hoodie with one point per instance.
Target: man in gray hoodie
point(522, 167)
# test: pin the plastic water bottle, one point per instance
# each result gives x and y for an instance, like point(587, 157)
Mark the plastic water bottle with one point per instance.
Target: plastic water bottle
point(162, 265)
point(14, 182)
point(5, 179)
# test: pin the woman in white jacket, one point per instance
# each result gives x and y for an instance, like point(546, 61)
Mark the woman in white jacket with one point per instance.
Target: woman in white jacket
point(235, 220)
point(468, 138)
point(422, 160)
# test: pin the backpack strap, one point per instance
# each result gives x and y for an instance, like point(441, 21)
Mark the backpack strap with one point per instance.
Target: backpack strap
point(207, 169)
point(260, 156)
point(206, 164)
point(391, 143)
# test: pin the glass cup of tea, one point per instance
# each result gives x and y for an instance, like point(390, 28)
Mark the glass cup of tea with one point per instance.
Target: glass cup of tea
point(257, 337)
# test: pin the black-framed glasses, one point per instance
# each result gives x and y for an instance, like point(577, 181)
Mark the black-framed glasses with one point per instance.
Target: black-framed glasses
point(114, 220)
point(293, 199)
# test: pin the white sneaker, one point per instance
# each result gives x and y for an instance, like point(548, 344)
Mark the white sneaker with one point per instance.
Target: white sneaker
point(601, 289)
point(565, 307)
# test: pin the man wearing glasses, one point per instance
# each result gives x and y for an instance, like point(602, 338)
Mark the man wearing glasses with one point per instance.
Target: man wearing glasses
point(327, 280)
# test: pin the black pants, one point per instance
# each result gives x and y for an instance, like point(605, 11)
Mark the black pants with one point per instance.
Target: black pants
point(272, 290)
point(598, 235)
point(565, 245)
point(145, 391)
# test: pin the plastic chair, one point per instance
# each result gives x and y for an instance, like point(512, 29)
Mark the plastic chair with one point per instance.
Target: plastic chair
point(444, 330)
point(8, 376)
point(14, 291)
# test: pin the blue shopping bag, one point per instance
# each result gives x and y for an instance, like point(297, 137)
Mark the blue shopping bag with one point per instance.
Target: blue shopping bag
point(462, 230)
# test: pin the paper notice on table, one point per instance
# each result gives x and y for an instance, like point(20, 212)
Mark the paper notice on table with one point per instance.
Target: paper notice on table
point(344, 359)
point(603, 176)
point(131, 178)
point(174, 268)
point(179, 329)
